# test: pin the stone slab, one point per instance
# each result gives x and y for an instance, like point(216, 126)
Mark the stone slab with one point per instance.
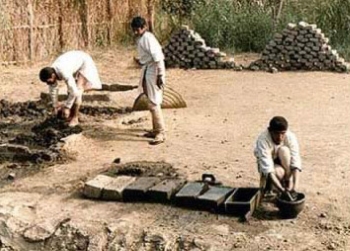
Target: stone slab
point(114, 189)
point(93, 188)
point(137, 191)
point(165, 190)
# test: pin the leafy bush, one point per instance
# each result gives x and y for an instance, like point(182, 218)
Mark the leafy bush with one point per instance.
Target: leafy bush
point(247, 26)
point(180, 8)
point(233, 26)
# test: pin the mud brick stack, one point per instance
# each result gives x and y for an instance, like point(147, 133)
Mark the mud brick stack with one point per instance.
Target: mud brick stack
point(300, 46)
point(187, 49)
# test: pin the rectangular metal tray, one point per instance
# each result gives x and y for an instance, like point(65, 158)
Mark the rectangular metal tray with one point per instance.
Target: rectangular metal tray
point(242, 200)
point(164, 191)
point(187, 196)
point(214, 198)
point(137, 191)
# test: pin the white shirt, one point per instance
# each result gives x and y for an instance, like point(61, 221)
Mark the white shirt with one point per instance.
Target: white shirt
point(67, 66)
point(266, 151)
point(152, 58)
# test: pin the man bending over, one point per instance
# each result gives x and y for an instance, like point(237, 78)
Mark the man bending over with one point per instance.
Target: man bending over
point(79, 72)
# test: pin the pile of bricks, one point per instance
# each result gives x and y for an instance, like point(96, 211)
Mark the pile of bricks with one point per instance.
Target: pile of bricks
point(300, 46)
point(187, 49)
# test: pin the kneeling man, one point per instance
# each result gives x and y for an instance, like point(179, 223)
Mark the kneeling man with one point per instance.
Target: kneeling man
point(277, 153)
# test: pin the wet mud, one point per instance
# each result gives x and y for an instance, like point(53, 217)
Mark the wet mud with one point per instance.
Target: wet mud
point(109, 111)
point(27, 109)
point(31, 137)
point(144, 169)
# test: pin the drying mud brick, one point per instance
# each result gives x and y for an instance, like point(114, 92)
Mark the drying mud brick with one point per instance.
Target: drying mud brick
point(93, 188)
point(165, 190)
point(14, 148)
point(14, 152)
point(33, 109)
point(114, 190)
point(137, 191)
point(186, 49)
point(214, 198)
point(300, 47)
point(87, 97)
point(117, 87)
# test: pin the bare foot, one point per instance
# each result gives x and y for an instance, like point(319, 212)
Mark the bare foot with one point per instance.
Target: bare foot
point(73, 122)
point(159, 138)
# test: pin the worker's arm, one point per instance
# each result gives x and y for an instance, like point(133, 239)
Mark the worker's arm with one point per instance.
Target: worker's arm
point(276, 182)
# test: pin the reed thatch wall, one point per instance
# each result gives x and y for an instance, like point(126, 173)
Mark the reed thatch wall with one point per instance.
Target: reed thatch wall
point(31, 30)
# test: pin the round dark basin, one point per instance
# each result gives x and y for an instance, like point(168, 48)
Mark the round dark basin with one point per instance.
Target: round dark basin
point(291, 209)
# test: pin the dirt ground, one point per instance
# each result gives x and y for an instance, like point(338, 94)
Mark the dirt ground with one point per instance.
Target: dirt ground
point(215, 133)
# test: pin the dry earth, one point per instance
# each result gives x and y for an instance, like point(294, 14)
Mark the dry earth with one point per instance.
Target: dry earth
point(215, 133)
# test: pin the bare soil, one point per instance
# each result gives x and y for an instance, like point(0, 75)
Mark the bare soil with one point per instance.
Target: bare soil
point(214, 134)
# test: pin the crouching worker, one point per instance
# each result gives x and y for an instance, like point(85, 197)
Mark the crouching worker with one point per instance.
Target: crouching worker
point(79, 72)
point(278, 157)
point(152, 79)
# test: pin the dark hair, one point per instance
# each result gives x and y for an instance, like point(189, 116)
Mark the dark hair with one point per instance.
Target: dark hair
point(138, 22)
point(278, 123)
point(46, 73)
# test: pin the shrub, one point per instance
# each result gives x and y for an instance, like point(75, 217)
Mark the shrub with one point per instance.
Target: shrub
point(234, 26)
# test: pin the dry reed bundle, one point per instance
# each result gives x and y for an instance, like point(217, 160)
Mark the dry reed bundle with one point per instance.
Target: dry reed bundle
point(35, 29)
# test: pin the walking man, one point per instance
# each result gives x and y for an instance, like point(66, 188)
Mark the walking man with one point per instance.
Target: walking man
point(152, 81)
point(79, 72)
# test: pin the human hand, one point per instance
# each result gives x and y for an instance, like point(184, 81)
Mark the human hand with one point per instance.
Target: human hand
point(56, 109)
point(286, 195)
point(137, 61)
point(65, 112)
point(160, 82)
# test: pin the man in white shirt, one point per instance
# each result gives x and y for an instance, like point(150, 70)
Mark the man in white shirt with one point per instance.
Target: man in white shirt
point(277, 153)
point(79, 72)
point(152, 79)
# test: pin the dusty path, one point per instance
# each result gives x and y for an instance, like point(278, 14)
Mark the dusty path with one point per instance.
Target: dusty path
point(226, 111)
